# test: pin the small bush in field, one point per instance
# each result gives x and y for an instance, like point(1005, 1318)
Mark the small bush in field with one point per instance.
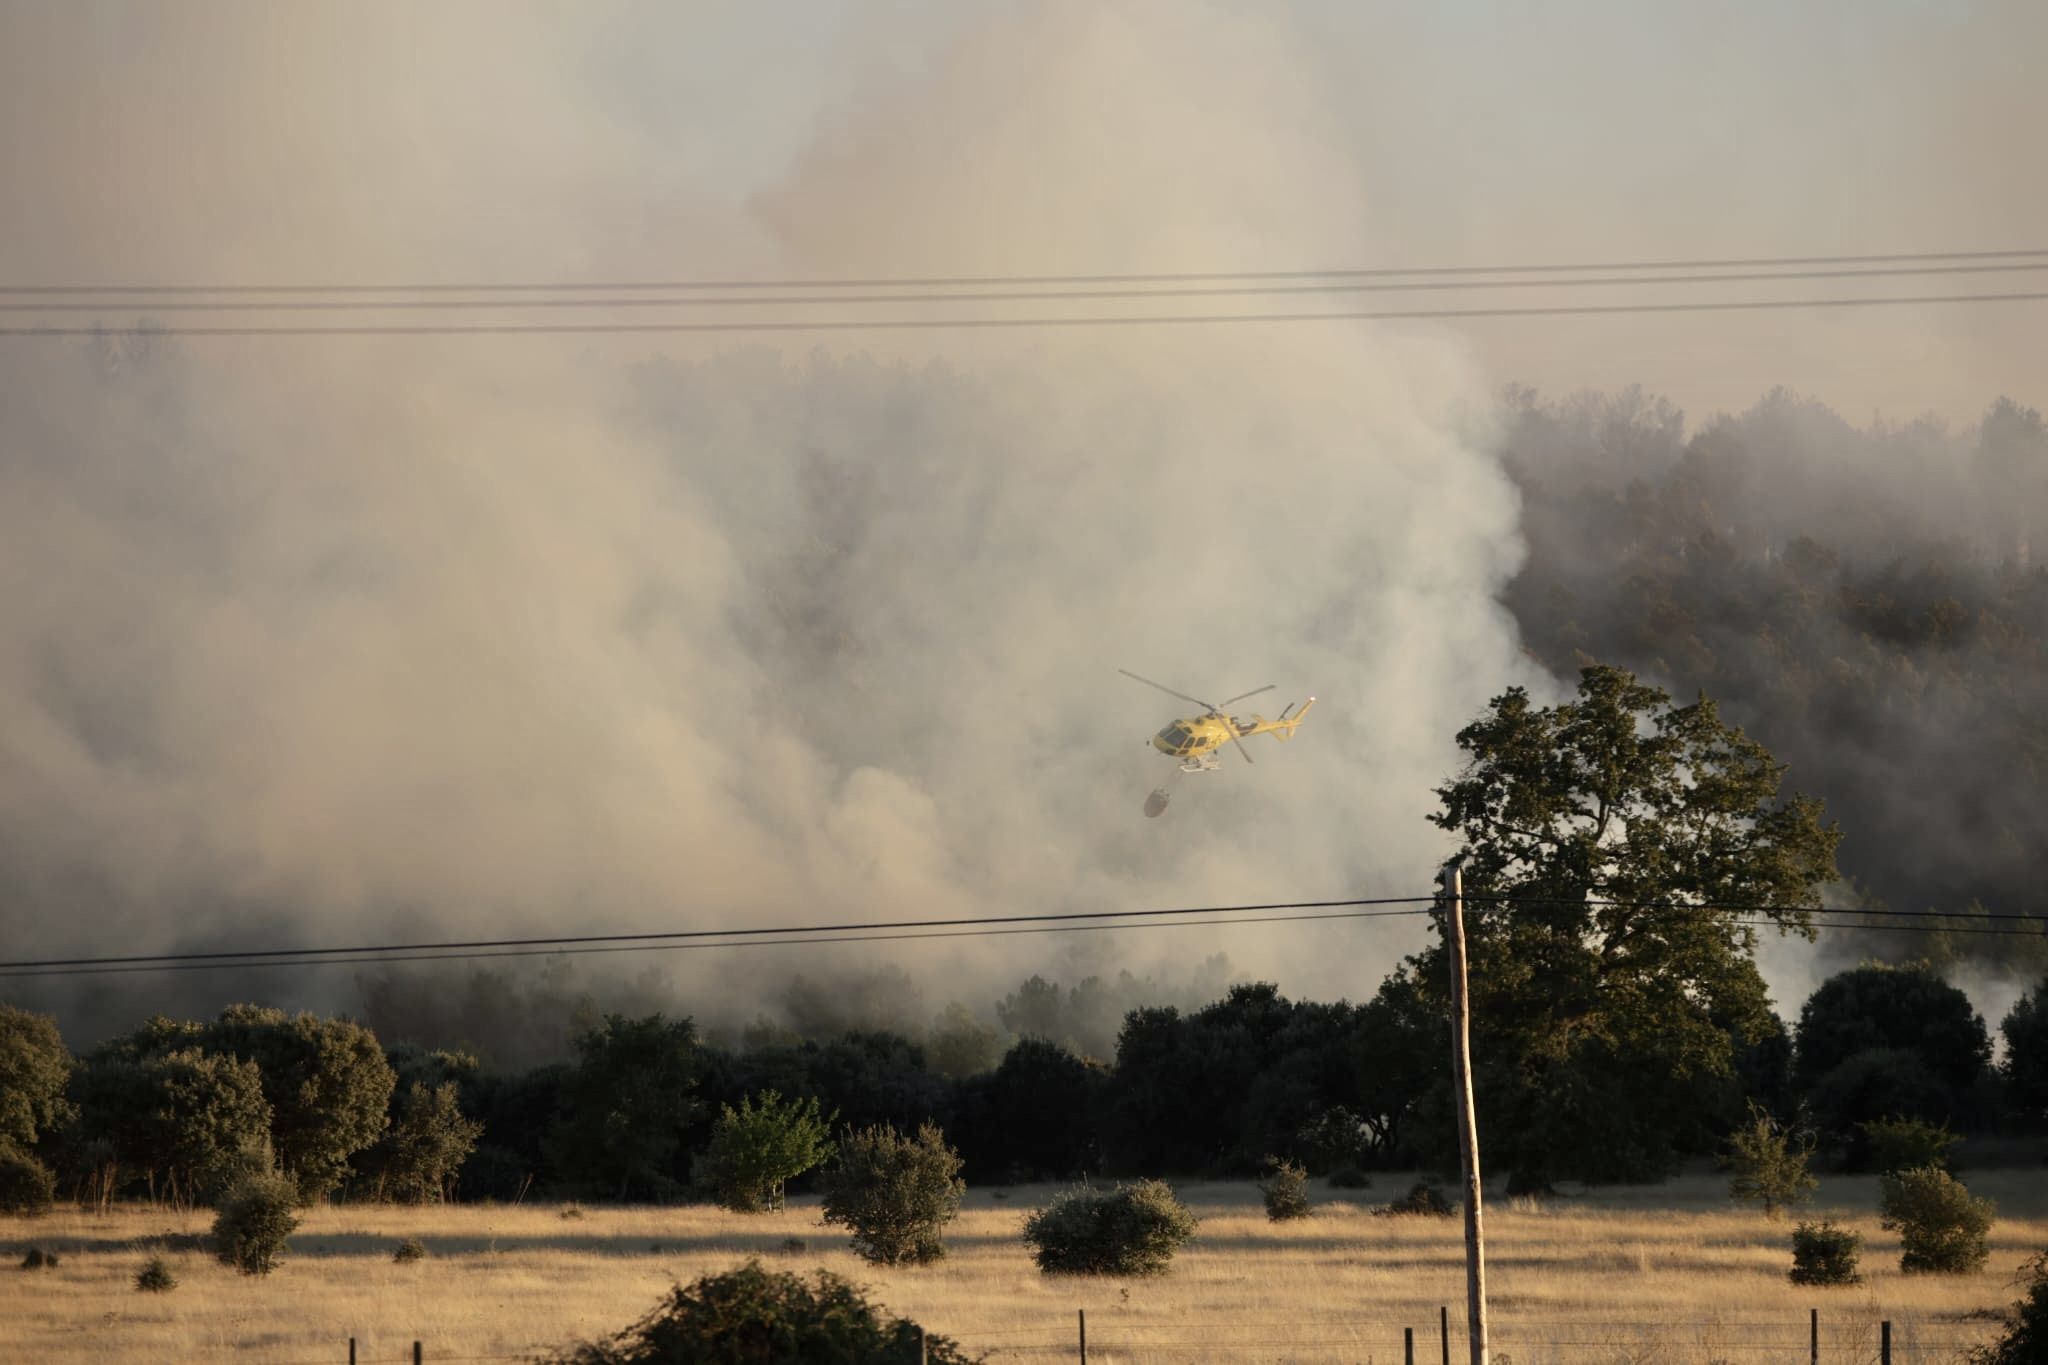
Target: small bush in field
point(156, 1277)
point(1944, 1228)
point(257, 1216)
point(1285, 1190)
point(894, 1193)
point(1903, 1144)
point(752, 1316)
point(1349, 1178)
point(1422, 1199)
point(39, 1259)
point(410, 1250)
point(1823, 1253)
point(1129, 1230)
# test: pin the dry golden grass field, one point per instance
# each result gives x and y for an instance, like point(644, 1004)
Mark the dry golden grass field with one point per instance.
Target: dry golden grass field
point(1668, 1273)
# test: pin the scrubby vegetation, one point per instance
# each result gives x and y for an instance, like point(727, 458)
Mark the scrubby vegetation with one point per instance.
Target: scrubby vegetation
point(2025, 1340)
point(155, 1277)
point(1943, 1228)
point(255, 1220)
point(895, 1194)
point(1769, 1163)
point(1285, 1191)
point(1824, 1254)
point(750, 1316)
point(757, 1148)
point(1127, 1230)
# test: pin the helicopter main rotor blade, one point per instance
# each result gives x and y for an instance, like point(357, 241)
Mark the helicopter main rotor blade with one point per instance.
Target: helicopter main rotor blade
point(1241, 749)
point(1253, 693)
point(1167, 690)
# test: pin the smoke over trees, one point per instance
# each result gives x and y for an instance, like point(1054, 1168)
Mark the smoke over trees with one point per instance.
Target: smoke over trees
point(1867, 601)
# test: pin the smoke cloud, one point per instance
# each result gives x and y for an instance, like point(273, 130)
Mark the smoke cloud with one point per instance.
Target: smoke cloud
point(320, 643)
point(327, 641)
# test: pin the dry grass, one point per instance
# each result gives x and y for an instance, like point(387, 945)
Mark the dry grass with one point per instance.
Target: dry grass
point(1669, 1273)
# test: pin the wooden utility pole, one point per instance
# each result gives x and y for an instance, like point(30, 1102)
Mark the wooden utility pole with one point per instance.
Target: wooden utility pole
point(1468, 1123)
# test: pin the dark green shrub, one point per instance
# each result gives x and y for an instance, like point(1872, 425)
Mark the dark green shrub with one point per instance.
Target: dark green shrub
point(1769, 1166)
point(1424, 1199)
point(1349, 1178)
point(34, 1066)
point(38, 1259)
point(2026, 1335)
point(1944, 1228)
point(1905, 1144)
point(254, 1221)
point(752, 1316)
point(27, 1188)
point(418, 1160)
point(756, 1148)
point(894, 1193)
point(410, 1250)
point(156, 1277)
point(1129, 1230)
point(1823, 1253)
point(1285, 1190)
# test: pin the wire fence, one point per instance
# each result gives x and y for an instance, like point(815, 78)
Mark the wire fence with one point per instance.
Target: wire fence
point(1862, 1337)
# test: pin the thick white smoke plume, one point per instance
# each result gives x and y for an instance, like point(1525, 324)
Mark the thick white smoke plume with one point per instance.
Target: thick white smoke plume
point(320, 641)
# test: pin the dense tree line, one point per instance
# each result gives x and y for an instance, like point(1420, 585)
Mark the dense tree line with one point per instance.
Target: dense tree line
point(177, 1111)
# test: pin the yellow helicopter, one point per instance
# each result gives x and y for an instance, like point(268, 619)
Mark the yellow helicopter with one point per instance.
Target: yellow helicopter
point(1196, 740)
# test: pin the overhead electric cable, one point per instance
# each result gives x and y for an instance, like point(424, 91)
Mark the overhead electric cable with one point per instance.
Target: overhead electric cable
point(1000, 323)
point(963, 927)
point(199, 966)
point(598, 299)
point(945, 281)
point(732, 933)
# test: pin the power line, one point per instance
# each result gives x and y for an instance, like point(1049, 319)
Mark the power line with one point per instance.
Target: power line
point(989, 926)
point(674, 947)
point(735, 933)
point(1003, 323)
point(596, 299)
point(963, 281)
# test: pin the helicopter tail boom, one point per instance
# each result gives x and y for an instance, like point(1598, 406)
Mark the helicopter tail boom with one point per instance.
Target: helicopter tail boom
point(1283, 728)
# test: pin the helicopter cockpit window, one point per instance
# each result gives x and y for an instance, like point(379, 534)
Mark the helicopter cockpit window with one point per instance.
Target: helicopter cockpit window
point(1174, 735)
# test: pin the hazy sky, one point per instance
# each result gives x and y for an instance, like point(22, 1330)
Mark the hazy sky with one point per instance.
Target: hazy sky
point(1475, 132)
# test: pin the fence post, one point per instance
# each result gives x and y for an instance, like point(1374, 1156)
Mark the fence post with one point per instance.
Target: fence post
point(1443, 1330)
point(1082, 1313)
point(921, 1359)
point(415, 1353)
point(1813, 1336)
point(1884, 1342)
point(351, 1351)
point(1408, 1346)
